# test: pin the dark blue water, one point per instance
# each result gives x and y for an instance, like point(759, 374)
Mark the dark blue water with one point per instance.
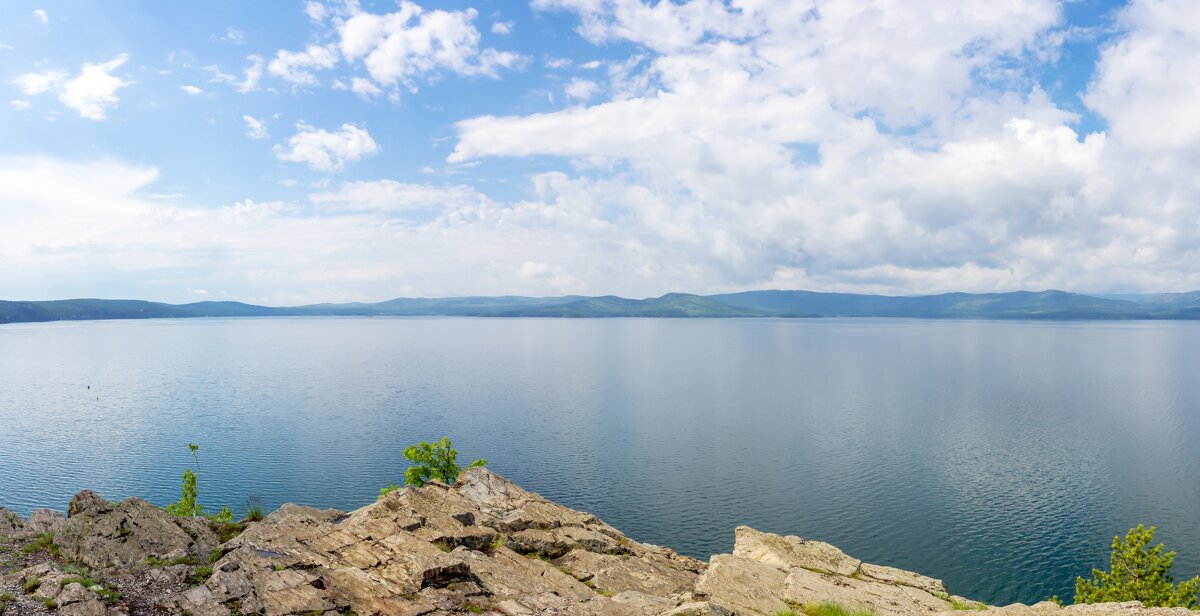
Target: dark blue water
point(999, 456)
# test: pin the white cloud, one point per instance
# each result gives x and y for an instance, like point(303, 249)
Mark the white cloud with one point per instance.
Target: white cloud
point(19, 105)
point(297, 66)
point(874, 145)
point(877, 146)
point(1146, 84)
point(315, 11)
point(393, 196)
point(255, 128)
point(557, 63)
point(193, 90)
point(364, 87)
point(325, 151)
point(251, 75)
point(120, 242)
point(398, 48)
point(233, 36)
point(41, 16)
point(503, 28)
point(91, 93)
point(581, 89)
point(31, 84)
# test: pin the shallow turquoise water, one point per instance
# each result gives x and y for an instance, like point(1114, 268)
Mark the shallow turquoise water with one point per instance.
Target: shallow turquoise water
point(999, 456)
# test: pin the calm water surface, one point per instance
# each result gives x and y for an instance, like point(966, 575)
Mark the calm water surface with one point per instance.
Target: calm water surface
point(999, 456)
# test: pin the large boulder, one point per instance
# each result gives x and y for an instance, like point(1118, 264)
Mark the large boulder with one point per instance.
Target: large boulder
point(44, 521)
point(130, 533)
point(766, 573)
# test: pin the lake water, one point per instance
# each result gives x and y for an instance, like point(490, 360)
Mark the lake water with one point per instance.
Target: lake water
point(999, 456)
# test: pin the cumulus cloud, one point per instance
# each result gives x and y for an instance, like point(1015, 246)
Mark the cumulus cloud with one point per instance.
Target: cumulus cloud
point(193, 90)
point(905, 157)
point(41, 15)
point(411, 43)
point(871, 145)
point(255, 128)
point(297, 66)
point(503, 28)
point(327, 151)
point(19, 104)
point(91, 93)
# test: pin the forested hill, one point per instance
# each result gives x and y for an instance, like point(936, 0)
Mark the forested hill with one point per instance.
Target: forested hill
point(787, 304)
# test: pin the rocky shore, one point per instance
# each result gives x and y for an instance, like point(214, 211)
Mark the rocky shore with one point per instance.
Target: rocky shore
point(482, 546)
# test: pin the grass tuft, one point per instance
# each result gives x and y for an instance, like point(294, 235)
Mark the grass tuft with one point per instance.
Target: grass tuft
point(829, 608)
point(962, 605)
point(44, 541)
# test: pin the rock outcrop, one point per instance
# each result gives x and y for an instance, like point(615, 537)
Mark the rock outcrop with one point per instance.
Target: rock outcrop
point(483, 545)
point(129, 533)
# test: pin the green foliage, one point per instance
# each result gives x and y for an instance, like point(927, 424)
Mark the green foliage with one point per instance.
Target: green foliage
point(187, 505)
point(829, 608)
point(31, 584)
point(431, 462)
point(1138, 573)
point(44, 541)
point(6, 597)
point(254, 509)
point(961, 605)
point(199, 575)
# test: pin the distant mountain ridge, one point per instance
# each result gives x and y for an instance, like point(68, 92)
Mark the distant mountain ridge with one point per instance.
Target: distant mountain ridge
point(773, 303)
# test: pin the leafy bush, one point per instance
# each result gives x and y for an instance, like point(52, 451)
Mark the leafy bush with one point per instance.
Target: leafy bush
point(1138, 573)
point(431, 462)
point(188, 504)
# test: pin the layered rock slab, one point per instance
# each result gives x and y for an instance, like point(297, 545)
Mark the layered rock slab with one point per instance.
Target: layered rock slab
point(482, 545)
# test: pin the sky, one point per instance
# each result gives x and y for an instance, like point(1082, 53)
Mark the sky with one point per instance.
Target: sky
point(331, 150)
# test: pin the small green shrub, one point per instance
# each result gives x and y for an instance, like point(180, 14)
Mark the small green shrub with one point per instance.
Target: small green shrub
point(431, 462)
point(31, 584)
point(188, 505)
point(109, 595)
point(49, 604)
point(1138, 573)
point(6, 597)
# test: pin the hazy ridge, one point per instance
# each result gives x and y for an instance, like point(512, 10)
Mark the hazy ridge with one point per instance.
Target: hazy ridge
point(787, 304)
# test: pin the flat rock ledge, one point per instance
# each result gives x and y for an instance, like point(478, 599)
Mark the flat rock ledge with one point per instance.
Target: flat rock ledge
point(483, 545)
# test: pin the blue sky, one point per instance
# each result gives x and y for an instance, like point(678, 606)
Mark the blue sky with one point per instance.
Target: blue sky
point(289, 152)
